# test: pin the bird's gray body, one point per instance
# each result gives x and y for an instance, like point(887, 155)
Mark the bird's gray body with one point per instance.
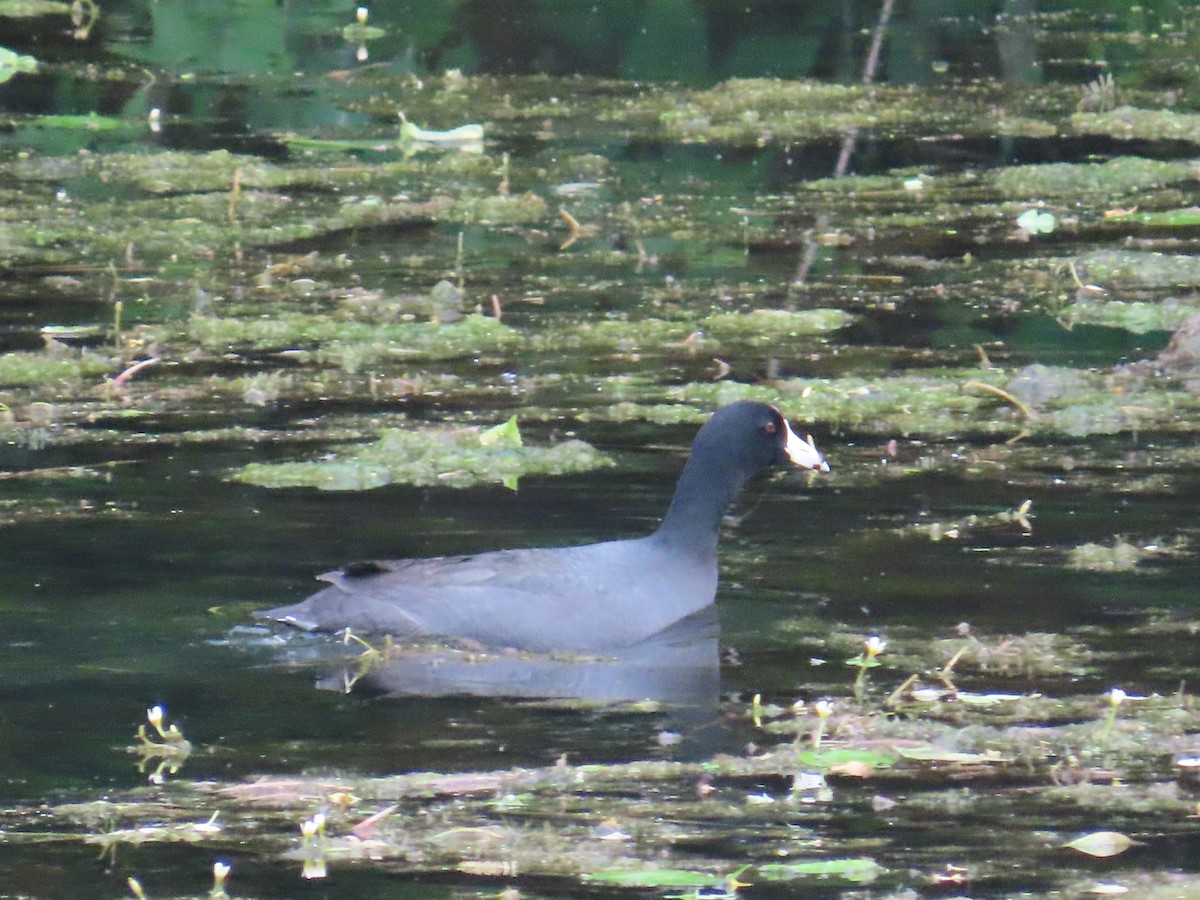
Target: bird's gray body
point(535, 599)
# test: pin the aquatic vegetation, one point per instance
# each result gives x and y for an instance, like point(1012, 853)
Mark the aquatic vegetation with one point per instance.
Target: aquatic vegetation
point(170, 752)
point(14, 63)
point(306, 299)
point(1130, 123)
point(1095, 181)
point(413, 138)
point(1034, 222)
point(1029, 655)
point(864, 661)
point(454, 457)
point(348, 343)
point(908, 404)
point(1137, 317)
point(50, 371)
point(1130, 269)
point(1119, 556)
point(754, 111)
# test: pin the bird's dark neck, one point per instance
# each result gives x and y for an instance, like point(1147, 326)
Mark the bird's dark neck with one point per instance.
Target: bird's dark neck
point(703, 494)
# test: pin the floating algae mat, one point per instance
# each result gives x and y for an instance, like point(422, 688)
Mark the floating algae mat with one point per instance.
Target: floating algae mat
point(455, 457)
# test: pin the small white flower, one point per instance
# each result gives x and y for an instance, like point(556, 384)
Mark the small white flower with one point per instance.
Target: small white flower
point(155, 715)
point(875, 645)
point(221, 871)
point(1116, 696)
point(823, 708)
point(361, 15)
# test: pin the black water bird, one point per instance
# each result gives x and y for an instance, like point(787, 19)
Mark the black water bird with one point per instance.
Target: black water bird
point(592, 597)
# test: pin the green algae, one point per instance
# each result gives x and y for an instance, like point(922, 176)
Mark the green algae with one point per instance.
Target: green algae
point(1164, 218)
point(756, 111)
point(767, 325)
point(350, 345)
point(1130, 123)
point(455, 457)
point(1121, 555)
point(908, 404)
point(1112, 178)
point(1137, 317)
point(1132, 269)
point(50, 371)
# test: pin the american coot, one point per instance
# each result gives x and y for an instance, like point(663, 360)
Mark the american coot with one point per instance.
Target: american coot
point(592, 597)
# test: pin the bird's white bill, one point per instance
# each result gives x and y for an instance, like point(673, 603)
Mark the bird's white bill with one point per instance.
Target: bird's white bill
point(803, 453)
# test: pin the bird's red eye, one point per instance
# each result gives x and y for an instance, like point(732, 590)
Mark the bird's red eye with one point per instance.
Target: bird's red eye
point(770, 428)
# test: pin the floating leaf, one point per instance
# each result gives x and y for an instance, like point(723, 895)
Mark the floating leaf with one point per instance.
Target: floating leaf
point(358, 33)
point(935, 754)
point(651, 878)
point(464, 137)
point(28, 9)
point(88, 122)
point(1036, 222)
point(301, 142)
point(12, 63)
point(1170, 218)
point(506, 434)
point(826, 760)
point(855, 869)
point(1101, 843)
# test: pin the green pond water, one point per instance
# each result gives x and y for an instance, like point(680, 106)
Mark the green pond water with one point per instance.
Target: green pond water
point(253, 328)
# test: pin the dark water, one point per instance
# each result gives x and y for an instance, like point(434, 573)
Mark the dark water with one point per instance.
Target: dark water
point(132, 586)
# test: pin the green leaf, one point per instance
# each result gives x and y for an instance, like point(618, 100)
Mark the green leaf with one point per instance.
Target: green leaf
point(506, 434)
point(934, 754)
point(856, 869)
point(1036, 222)
point(823, 760)
point(28, 9)
point(651, 878)
point(89, 122)
point(1168, 217)
point(12, 63)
